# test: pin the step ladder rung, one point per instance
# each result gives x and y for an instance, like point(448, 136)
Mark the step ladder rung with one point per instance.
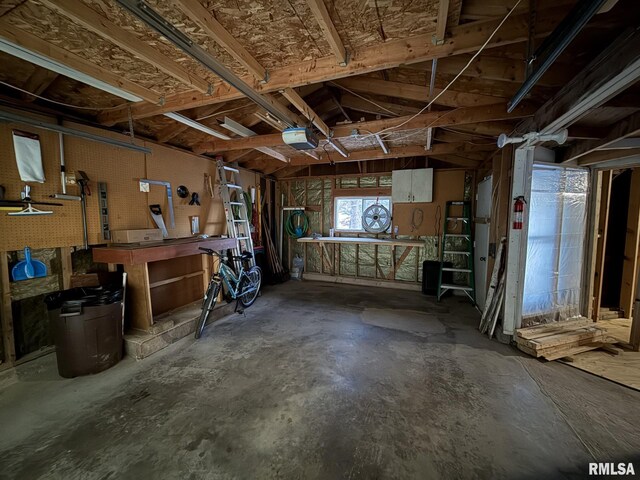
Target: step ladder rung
point(231, 169)
point(237, 203)
point(454, 252)
point(453, 269)
point(453, 286)
point(457, 235)
point(232, 185)
point(458, 219)
point(243, 238)
point(239, 221)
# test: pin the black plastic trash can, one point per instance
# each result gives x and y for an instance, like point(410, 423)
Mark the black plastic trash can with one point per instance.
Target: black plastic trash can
point(87, 326)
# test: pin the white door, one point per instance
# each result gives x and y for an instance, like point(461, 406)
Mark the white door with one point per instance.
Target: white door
point(401, 186)
point(422, 185)
point(481, 241)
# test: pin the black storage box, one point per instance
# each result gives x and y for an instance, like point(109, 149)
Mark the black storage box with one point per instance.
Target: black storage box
point(430, 272)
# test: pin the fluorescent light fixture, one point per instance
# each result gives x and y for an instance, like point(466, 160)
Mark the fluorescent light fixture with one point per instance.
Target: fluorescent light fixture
point(237, 128)
point(44, 62)
point(243, 131)
point(383, 146)
point(339, 148)
point(197, 125)
point(153, 19)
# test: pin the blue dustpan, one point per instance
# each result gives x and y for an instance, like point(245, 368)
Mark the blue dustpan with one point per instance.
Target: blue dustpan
point(28, 268)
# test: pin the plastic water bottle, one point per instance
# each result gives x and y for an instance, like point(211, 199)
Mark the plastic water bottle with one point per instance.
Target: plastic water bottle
point(298, 267)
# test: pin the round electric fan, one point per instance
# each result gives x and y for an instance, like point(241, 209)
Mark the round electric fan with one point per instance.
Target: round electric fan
point(376, 218)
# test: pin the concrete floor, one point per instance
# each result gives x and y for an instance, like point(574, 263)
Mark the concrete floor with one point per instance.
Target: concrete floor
point(320, 381)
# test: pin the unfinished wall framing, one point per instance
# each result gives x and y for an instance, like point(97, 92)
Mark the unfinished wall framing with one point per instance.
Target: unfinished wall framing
point(399, 262)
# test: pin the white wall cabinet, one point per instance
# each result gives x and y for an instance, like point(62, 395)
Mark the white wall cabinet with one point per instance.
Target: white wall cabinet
point(412, 186)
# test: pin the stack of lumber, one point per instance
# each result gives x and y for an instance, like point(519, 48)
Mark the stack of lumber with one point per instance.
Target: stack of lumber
point(562, 339)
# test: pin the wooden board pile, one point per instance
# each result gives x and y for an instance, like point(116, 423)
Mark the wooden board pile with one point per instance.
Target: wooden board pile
point(563, 339)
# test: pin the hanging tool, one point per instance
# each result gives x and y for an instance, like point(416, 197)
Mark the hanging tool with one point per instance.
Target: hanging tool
point(83, 181)
point(167, 185)
point(182, 191)
point(28, 268)
point(26, 200)
point(63, 175)
point(195, 199)
point(208, 184)
point(156, 213)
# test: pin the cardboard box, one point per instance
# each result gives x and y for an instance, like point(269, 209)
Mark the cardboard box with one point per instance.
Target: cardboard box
point(136, 236)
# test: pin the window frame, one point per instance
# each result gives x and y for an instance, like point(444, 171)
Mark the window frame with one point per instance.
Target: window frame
point(362, 198)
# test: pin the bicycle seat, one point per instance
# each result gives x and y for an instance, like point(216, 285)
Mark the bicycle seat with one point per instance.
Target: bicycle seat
point(246, 256)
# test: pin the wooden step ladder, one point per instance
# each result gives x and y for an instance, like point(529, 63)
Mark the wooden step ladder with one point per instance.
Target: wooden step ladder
point(235, 210)
point(452, 252)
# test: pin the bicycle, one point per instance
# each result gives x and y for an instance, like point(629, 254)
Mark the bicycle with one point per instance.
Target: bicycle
point(243, 288)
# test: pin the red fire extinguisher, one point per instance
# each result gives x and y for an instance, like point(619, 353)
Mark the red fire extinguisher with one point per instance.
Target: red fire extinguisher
point(518, 212)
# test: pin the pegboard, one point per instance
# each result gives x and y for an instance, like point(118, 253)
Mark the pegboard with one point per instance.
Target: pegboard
point(120, 169)
point(180, 168)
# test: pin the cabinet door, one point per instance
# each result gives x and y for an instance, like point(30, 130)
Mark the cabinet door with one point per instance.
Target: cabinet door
point(401, 186)
point(422, 185)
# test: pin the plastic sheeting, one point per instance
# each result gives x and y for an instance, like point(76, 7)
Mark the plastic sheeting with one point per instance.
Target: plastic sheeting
point(555, 243)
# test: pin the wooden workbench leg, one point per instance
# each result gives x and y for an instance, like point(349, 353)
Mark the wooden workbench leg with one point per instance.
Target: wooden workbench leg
point(139, 296)
point(66, 267)
point(5, 311)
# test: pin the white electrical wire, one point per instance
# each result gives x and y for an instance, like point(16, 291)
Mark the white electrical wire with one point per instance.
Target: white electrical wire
point(395, 127)
point(61, 103)
point(364, 98)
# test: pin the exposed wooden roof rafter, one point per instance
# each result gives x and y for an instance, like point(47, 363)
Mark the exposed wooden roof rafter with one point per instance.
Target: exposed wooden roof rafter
point(81, 14)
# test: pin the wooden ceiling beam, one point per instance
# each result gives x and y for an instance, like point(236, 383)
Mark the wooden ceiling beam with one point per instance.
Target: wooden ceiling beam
point(628, 127)
point(38, 82)
point(319, 10)
point(384, 109)
point(298, 102)
point(81, 14)
point(420, 93)
point(464, 39)
point(611, 72)
point(603, 156)
point(460, 148)
point(207, 22)
point(457, 160)
point(433, 119)
point(441, 22)
point(42, 47)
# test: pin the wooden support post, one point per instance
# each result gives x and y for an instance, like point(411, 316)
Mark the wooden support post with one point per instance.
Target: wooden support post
point(139, 310)
point(66, 267)
point(603, 222)
point(632, 242)
point(7, 315)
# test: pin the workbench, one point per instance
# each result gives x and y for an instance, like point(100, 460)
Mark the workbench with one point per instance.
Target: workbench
point(162, 276)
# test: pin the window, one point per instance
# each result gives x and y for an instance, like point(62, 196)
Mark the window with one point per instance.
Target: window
point(348, 211)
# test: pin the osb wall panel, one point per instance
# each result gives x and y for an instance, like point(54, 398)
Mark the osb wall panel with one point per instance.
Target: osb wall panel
point(448, 185)
point(120, 169)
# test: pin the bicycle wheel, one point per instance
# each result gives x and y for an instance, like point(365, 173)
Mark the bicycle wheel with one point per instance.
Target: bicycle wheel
point(207, 307)
point(251, 281)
